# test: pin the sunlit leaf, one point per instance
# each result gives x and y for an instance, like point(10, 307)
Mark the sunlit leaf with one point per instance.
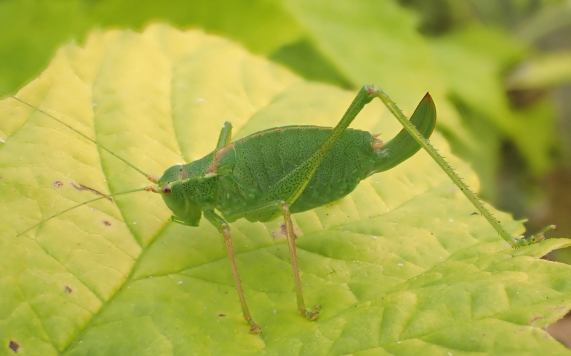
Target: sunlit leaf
point(402, 265)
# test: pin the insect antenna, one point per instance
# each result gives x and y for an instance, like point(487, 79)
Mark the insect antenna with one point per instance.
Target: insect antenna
point(148, 176)
point(106, 196)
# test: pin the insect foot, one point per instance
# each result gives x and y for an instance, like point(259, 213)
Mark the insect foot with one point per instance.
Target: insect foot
point(255, 328)
point(535, 238)
point(313, 313)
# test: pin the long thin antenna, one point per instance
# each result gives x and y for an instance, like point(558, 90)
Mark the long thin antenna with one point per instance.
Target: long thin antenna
point(79, 205)
point(149, 177)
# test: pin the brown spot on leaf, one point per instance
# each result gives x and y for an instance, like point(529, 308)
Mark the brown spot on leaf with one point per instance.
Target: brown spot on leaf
point(281, 232)
point(57, 184)
point(14, 346)
point(106, 222)
point(68, 289)
point(221, 315)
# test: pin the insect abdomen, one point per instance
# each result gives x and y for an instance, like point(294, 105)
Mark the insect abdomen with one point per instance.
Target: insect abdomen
point(351, 160)
point(264, 158)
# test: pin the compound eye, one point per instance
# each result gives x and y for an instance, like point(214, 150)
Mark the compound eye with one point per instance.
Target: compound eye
point(167, 190)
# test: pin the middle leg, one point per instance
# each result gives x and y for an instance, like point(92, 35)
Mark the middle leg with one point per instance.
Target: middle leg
point(266, 210)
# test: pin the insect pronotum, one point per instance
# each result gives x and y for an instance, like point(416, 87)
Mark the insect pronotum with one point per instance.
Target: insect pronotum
point(222, 188)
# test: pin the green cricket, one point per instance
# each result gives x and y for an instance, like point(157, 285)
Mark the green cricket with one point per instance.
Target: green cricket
point(285, 170)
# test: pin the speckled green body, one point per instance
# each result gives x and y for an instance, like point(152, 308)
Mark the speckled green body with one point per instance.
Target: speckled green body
point(302, 167)
point(260, 160)
point(248, 169)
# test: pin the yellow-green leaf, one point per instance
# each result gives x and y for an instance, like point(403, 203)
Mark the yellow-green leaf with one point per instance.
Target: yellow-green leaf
point(402, 265)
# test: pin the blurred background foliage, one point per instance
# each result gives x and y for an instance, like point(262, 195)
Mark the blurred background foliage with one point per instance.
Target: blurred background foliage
point(500, 70)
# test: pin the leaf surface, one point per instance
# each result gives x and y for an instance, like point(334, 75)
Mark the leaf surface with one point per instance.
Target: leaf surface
point(402, 265)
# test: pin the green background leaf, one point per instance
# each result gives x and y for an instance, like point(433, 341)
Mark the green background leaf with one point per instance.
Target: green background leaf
point(34, 29)
point(463, 70)
point(313, 37)
point(401, 265)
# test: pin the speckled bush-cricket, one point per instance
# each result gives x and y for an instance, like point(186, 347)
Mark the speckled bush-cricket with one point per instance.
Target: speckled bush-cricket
point(285, 170)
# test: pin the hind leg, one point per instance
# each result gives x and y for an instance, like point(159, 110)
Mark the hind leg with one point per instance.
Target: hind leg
point(312, 314)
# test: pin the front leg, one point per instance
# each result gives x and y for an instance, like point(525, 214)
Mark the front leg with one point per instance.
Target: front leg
point(224, 228)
